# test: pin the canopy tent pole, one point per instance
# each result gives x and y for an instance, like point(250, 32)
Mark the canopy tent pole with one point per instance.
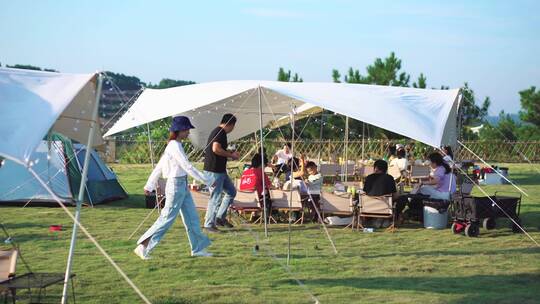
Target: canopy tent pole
point(151, 150)
point(320, 137)
point(91, 132)
point(363, 135)
point(291, 181)
point(346, 152)
point(262, 163)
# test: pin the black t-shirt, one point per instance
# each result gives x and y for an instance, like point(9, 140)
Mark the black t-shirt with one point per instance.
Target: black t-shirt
point(378, 184)
point(212, 161)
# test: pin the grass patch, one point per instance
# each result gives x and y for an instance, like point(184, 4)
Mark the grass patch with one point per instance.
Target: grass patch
point(414, 265)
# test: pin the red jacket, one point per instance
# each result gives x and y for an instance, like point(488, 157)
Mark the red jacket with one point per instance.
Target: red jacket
point(252, 180)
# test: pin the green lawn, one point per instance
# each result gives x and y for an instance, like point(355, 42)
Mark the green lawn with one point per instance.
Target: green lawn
point(414, 265)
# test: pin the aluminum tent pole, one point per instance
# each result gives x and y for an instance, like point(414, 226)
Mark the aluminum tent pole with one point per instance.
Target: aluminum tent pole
point(262, 164)
point(320, 137)
point(91, 133)
point(346, 152)
point(363, 128)
point(151, 150)
point(291, 181)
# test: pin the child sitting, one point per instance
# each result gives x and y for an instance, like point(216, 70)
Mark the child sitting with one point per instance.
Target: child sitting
point(312, 198)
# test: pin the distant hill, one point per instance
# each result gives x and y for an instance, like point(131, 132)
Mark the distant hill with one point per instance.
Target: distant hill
point(494, 120)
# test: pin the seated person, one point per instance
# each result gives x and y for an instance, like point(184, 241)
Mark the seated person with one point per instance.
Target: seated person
point(380, 183)
point(297, 172)
point(442, 182)
point(391, 152)
point(312, 198)
point(281, 159)
point(448, 155)
point(252, 179)
point(401, 161)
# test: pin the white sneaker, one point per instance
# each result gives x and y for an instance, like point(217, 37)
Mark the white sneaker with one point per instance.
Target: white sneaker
point(139, 251)
point(202, 253)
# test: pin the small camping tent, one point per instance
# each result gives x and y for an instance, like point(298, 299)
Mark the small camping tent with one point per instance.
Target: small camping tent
point(59, 163)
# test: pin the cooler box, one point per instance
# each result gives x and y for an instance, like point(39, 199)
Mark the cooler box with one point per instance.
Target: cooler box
point(435, 220)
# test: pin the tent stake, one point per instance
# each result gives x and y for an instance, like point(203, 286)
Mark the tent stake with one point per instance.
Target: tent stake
point(80, 199)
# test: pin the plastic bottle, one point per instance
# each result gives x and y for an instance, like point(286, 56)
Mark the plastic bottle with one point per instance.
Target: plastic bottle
point(368, 230)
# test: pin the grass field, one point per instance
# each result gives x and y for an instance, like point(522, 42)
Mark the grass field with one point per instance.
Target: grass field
point(413, 265)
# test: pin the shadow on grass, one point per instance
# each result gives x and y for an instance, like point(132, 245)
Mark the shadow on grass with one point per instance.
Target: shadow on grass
point(451, 253)
point(519, 288)
point(172, 300)
point(23, 225)
point(133, 201)
point(525, 179)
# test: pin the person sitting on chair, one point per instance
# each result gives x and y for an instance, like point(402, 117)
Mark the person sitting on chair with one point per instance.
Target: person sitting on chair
point(400, 161)
point(256, 170)
point(297, 173)
point(380, 183)
point(312, 198)
point(280, 161)
point(442, 182)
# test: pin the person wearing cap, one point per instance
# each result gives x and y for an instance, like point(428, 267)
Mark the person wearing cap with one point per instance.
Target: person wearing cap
point(175, 166)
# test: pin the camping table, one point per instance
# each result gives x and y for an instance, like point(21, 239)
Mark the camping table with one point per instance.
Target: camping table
point(35, 280)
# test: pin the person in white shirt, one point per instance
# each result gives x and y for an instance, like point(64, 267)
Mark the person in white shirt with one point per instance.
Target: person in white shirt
point(175, 166)
point(401, 160)
point(281, 160)
point(312, 199)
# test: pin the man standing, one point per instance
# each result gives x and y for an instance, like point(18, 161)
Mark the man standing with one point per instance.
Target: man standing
point(215, 166)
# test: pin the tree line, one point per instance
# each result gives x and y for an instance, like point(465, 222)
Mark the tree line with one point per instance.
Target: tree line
point(387, 71)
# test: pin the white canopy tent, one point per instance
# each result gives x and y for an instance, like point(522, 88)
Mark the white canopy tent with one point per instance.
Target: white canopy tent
point(32, 103)
point(429, 116)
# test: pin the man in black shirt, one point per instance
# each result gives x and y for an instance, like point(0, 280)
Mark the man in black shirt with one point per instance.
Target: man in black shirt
point(380, 183)
point(215, 165)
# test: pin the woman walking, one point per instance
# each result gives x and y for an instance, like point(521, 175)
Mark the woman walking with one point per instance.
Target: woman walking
point(175, 166)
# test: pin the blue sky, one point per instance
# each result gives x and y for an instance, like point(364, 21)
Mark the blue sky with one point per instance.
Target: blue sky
point(494, 45)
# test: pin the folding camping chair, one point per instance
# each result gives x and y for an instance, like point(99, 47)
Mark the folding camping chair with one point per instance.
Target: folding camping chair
point(280, 202)
point(364, 171)
point(376, 207)
point(351, 172)
point(8, 265)
point(332, 170)
point(332, 204)
point(10, 282)
point(418, 172)
point(246, 202)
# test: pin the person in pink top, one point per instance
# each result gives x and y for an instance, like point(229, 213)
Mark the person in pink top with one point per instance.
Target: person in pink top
point(442, 182)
